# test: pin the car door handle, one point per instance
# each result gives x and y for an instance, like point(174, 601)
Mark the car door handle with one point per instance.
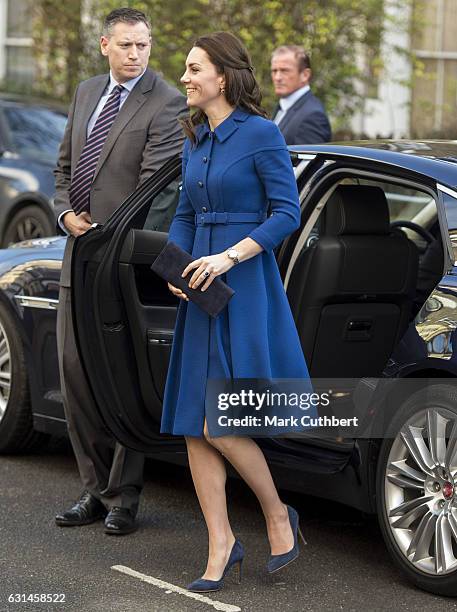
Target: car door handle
point(359, 330)
point(30, 301)
point(161, 337)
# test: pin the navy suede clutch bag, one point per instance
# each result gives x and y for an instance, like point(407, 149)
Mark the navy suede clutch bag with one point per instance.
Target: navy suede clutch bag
point(170, 264)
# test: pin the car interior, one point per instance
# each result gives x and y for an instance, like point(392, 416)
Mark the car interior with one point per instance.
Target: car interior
point(359, 279)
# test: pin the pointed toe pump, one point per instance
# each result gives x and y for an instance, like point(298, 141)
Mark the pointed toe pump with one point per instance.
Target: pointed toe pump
point(277, 562)
point(206, 586)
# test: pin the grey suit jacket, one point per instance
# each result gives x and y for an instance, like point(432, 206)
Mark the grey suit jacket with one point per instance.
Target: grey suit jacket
point(143, 136)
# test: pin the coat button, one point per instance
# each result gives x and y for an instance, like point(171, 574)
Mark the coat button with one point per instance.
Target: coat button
point(205, 159)
point(200, 184)
point(204, 209)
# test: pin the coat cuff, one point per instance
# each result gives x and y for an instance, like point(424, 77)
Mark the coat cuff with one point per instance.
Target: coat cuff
point(263, 239)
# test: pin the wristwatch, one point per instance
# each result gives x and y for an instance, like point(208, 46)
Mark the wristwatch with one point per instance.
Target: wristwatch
point(233, 255)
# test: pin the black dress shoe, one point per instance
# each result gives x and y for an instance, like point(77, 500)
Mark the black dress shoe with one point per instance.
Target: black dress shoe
point(87, 510)
point(120, 521)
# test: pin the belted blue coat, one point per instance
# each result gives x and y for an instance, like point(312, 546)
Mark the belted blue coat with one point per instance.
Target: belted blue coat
point(242, 167)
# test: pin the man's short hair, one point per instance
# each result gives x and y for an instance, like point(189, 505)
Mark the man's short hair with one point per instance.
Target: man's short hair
point(124, 15)
point(300, 54)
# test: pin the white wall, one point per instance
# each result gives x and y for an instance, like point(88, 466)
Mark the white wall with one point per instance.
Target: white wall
point(389, 114)
point(3, 22)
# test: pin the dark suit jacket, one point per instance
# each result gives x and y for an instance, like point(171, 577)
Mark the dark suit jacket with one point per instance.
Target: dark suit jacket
point(143, 136)
point(306, 122)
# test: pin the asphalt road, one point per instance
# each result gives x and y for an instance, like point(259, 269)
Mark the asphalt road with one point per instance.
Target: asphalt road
point(344, 567)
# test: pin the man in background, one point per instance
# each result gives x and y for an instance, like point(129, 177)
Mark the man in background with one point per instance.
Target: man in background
point(121, 128)
point(299, 115)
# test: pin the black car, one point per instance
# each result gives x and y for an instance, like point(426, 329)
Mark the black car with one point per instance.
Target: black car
point(30, 134)
point(371, 278)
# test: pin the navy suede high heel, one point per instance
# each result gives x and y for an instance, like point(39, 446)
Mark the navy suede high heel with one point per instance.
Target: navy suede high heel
point(277, 562)
point(205, 586)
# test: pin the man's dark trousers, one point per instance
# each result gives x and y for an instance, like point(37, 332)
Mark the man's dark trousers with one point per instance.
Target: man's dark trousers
point(111, 472)
point(143, 136)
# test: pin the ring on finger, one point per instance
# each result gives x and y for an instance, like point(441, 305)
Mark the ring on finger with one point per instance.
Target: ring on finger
point(205, 274)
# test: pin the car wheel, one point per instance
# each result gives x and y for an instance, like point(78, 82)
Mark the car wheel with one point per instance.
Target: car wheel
point(417, 489)
point(29, 222)
point(16, 423)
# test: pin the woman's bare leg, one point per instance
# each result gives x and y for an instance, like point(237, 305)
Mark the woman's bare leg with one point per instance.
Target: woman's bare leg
point(249, 461)
point(209, 475)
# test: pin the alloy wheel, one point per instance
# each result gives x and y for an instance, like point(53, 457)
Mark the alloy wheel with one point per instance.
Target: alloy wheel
point(28, 228)
point(421, 491)
point(5, 371)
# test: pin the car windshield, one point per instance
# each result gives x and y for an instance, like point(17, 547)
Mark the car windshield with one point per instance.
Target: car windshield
point(36, 132)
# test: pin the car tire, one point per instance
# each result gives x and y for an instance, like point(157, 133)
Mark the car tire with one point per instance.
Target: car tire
point(16, 422)
point(27, 223)
point(416, 499)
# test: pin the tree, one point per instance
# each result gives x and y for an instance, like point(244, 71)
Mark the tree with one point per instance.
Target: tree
point(58, 46)
point(337, 33)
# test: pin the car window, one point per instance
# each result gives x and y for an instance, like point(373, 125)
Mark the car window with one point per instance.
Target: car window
point(163, 206)
point(405, 204)
point(36, 132)
point(450, 207)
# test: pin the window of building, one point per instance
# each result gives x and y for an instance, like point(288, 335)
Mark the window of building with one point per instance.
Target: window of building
point(19, 66)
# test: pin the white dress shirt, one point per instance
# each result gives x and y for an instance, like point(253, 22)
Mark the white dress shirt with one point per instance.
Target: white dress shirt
point(289, 101)
point(127, 88)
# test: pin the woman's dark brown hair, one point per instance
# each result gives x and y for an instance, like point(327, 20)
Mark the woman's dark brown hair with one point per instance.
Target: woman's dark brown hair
point(231, 58)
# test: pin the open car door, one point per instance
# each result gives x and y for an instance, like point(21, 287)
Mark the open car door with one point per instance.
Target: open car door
point(124, 314)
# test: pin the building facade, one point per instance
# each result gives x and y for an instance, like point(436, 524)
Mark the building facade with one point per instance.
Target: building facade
point(16, 58)
point(416, 95)
point(385, 111)
point(434, 90)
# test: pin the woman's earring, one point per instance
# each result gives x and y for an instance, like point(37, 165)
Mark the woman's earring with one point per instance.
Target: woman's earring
point(222, 90)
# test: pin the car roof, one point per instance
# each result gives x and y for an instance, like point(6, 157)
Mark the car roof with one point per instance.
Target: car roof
point(11, 99)
point(434, 158)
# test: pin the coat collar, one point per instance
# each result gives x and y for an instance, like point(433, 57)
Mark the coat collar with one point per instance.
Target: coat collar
point(98, 86)
point(147, 81)
point(302, 101)
point(225, 129)
point(287, 102)
point(135, 100)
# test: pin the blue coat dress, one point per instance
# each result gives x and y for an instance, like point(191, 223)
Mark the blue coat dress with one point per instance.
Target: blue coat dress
point(241, 167)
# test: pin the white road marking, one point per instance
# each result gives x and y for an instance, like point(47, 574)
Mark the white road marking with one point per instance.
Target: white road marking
point(171, 588)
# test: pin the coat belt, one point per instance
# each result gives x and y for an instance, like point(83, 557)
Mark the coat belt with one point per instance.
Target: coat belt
point(226, 218)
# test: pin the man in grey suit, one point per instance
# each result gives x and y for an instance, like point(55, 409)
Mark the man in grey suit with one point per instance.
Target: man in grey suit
point(299, 115)
point(121, 128)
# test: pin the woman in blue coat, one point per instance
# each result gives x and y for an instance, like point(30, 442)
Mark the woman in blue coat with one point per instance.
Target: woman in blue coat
point(235, 165)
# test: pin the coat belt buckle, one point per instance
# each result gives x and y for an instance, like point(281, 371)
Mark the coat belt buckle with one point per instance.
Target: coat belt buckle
point(205, 218)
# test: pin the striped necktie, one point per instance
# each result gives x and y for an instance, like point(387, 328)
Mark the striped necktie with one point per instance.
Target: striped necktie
point(85, 168)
